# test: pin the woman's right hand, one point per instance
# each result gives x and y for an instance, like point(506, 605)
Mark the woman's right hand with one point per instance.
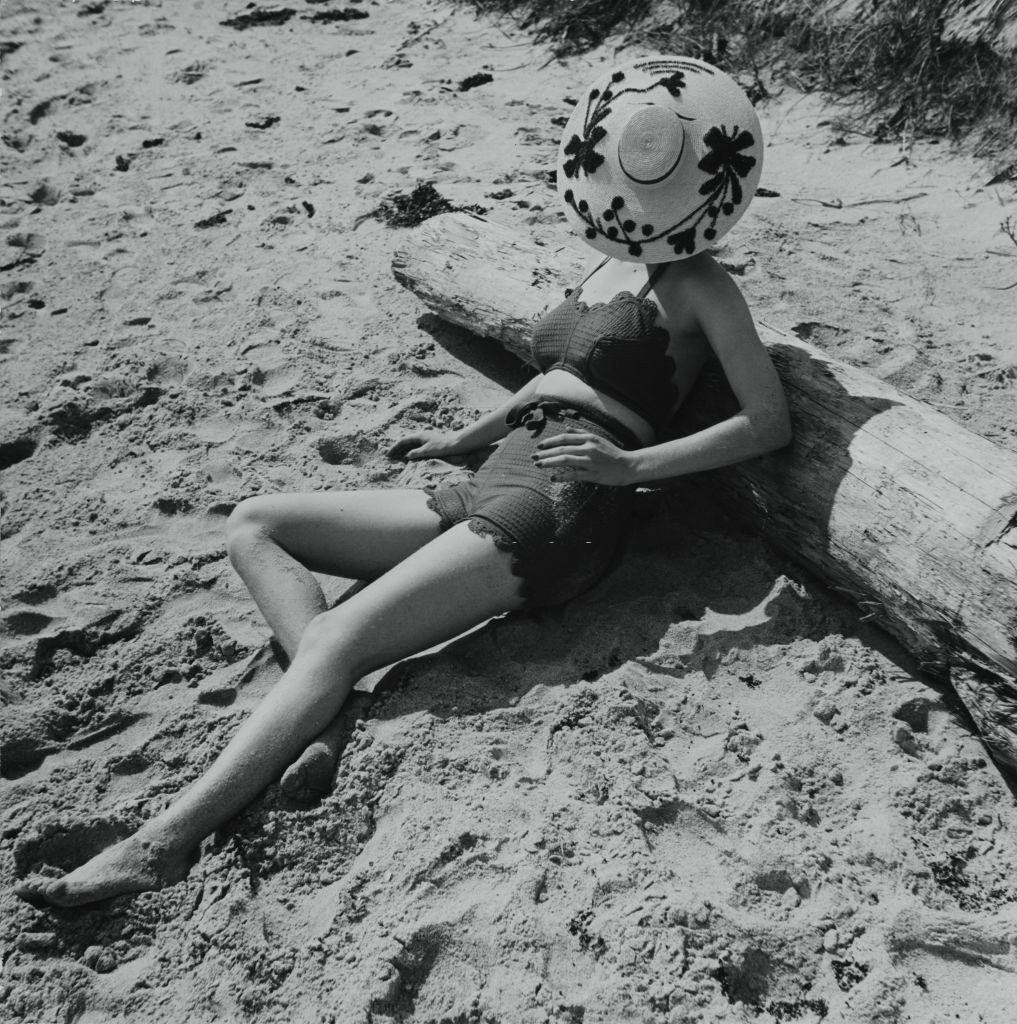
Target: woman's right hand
point(428, 444)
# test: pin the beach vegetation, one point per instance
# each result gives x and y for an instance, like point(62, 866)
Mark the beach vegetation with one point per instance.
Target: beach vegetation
point(906, 68)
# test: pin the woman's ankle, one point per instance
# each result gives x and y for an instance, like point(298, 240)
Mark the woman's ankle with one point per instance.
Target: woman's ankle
point(164, 838)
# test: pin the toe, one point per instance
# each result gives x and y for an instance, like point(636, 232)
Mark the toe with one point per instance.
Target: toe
point(32, 892)
point(299, 786)
point(292, 778)
point(42, 892)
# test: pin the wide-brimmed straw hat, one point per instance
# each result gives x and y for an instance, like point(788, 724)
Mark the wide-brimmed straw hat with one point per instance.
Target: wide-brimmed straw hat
point(659, 159)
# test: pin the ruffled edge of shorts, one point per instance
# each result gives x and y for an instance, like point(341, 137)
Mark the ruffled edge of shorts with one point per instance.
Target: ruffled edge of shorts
point(521, 564)
point(503, 542)
point(483, 528)
point(445, 519)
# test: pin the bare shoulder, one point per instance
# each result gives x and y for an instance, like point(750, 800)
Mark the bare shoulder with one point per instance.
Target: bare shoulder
point(708, 301)
point(701, 282)
point(698, 292)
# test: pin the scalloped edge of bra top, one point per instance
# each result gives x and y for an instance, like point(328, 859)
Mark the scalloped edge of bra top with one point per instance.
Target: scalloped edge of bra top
point(644, 302)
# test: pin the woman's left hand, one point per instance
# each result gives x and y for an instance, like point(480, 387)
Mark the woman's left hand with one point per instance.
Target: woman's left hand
point(589, 458)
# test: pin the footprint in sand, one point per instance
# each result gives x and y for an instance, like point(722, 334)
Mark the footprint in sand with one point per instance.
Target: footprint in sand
point(77, 404)
point(824, 335)
point(168, 369)
point(460, 136)
point(278, 381)
point(405, 985)
point(351, 450)
point(26, 741)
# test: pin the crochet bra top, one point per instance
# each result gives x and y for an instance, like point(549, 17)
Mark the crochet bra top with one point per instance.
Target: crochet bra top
point(614, 346)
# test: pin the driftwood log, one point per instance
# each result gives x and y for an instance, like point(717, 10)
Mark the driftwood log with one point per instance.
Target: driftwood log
point(890, 502)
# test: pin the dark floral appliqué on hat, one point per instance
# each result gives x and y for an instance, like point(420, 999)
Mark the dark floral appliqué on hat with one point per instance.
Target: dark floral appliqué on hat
point(725, 163)
point(582, 151)
point(674, 84)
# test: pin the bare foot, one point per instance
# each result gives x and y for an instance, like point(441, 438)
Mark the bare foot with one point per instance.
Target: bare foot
point(134, 865)
point(310, 777)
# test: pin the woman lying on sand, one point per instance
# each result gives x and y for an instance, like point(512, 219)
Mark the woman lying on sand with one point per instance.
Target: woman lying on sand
point(658, 159)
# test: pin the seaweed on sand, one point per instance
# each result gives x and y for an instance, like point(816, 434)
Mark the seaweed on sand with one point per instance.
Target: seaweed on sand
point(408, 209)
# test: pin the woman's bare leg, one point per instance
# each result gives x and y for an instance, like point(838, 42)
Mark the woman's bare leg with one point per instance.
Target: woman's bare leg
point(446, 587)
point(276, 542)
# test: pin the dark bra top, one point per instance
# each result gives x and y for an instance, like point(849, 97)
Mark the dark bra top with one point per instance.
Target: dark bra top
point(615, 347)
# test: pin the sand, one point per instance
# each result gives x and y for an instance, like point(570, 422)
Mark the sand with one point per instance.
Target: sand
point(705, 791)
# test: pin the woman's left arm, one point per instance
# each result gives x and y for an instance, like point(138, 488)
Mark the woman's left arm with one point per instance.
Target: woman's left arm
point(762, 423)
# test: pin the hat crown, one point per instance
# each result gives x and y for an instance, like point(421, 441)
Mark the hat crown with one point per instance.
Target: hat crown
point(651, 144)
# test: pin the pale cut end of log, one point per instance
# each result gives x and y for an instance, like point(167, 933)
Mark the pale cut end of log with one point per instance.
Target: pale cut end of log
point(896, 506)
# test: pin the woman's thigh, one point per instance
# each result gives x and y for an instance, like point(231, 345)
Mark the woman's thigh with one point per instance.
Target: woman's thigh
point(446, 587)
point(358, 534)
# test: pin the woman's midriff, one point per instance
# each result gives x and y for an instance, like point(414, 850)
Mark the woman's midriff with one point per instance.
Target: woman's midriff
point(564, 385)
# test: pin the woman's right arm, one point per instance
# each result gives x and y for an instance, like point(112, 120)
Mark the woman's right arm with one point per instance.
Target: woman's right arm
point(489, 428)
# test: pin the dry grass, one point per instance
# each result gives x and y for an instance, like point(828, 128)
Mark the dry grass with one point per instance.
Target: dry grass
point(574, 26)
point(903, 77)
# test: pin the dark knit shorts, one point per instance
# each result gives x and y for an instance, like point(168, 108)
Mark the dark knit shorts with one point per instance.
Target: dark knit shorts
point(563, 536)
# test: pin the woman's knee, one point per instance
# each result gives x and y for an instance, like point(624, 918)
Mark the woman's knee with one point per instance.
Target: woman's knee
point(251, 519)
point(331, 638)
